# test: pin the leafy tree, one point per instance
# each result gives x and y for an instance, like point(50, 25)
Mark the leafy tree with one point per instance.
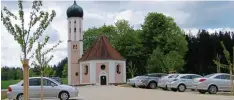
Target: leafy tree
point(92, 34)
point(60, 66)
point(32, 73)
point(65, 71)
point(22, 34)
point(128, 44)
point(48, 71)
point(161, 32)
point(155, 62)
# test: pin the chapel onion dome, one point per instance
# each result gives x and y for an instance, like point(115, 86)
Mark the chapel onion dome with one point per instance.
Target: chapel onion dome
point(74, 11)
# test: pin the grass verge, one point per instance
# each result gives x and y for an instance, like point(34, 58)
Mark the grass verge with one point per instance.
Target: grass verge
point(5, 84)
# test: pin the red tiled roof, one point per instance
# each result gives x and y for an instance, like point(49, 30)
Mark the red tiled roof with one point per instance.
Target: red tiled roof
point(101, 49)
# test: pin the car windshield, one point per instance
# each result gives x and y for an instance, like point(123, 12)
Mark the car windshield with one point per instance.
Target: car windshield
point(56, 81)
point(174, 76)
point(136, 77)
point(208, 76)
point(171, 76)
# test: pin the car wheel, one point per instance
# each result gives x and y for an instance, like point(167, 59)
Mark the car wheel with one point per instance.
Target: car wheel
point(202, 91)
point(181, 88)
point(212, 89)
point(152, 85)
point(173, 89)
point(165, 88)
point(64, 96)
point(20, 96)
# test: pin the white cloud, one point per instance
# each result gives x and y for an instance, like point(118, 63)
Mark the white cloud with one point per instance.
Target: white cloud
point(194, 31)
point(95, 15)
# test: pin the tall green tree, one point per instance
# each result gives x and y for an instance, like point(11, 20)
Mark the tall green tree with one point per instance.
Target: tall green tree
point(65, 70)
point(160, 31)
point(21, 33)
point(92, 34)
point(48, 71)
point(128, 44)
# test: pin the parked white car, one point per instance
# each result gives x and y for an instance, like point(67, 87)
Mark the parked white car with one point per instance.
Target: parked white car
point(51, 88)
point(133, 80)
point(212, 83)
point(162, 83)
point(182, 82)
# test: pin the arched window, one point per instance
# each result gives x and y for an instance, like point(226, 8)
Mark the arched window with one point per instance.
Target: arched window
point(103, 67)
point(75, 30)
point(86, 70)
point(74, 46)
point(75, 22)
point(118, 69)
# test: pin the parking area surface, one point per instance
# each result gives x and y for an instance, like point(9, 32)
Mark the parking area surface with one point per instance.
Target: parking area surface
point(127, 93)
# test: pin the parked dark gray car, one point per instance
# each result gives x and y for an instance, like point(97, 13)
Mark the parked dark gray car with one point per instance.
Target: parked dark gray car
point(149, 80)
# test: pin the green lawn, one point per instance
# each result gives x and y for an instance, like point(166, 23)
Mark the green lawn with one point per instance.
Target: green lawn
point(5, 84)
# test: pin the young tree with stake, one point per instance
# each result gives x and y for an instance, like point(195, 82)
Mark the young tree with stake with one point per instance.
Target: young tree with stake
point(23, 34)
point(230, 65)
point(131, 69)
point(41, 60)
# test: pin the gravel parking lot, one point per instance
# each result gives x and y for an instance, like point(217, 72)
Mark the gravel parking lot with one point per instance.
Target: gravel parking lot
point(127, 93)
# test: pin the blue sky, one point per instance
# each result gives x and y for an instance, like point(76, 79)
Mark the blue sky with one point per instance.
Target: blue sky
point(192, 15)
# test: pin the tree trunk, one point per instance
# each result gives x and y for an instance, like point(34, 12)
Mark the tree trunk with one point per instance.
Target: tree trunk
point(41, 85)
point(232, 70)
point(26, 78)
point(132, 75)
point(231, 80)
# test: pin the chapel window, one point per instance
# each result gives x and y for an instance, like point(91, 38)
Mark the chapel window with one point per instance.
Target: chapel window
point(86, 70)
point(103, 67)
point(118, 69)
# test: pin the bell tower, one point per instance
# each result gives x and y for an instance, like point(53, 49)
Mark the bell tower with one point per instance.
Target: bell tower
point(75, 42)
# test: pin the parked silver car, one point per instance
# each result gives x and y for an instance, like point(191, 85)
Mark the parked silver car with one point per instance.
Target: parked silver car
point(182, 82)
point(133, 80)
point(162, 83)
point(52, 89)
point(149, 80)
point(212, 83)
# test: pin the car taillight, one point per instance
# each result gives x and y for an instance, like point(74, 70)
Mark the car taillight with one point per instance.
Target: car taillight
point(9, 89)
point(202, 80)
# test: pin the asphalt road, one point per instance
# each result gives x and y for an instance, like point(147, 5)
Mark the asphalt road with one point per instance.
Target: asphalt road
point(127, 93)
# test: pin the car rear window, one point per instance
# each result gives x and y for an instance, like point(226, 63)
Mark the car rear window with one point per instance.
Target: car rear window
point(208, 76)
